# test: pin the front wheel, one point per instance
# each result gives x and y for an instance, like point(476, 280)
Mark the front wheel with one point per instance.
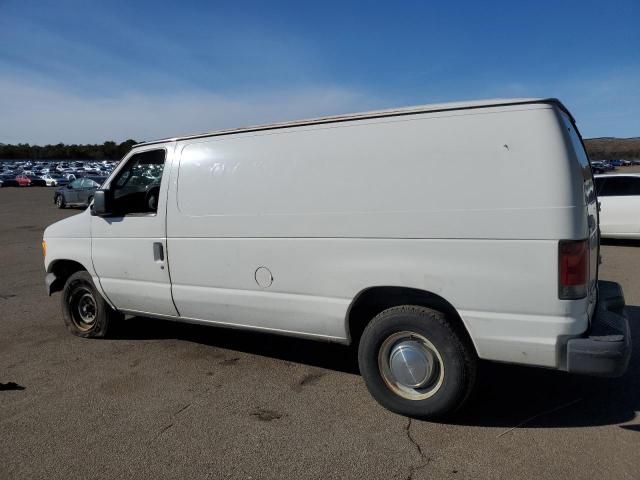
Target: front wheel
point(85, 312)
point(60, 201)
point(415, 364)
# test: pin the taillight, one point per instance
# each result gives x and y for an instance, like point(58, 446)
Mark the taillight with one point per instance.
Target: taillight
point(573, 268)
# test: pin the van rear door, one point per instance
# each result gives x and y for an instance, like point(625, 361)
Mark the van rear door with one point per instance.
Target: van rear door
point(591, 203)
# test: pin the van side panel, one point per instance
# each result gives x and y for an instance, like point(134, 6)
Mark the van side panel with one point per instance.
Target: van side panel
point(315, 280)
point(468, 205)
point(474, 175)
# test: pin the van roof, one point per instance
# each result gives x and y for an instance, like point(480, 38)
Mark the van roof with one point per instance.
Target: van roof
point(392, 112)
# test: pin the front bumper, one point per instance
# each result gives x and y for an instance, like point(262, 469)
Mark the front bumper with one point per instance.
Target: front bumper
point(51, 283)
point(605, 349)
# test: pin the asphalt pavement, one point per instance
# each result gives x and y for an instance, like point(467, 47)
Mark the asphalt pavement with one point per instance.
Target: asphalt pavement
point(169, 400)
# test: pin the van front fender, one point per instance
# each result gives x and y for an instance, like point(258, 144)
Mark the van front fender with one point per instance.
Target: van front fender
point(53, 283)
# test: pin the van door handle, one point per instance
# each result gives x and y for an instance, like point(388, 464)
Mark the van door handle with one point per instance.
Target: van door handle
point(158, 252)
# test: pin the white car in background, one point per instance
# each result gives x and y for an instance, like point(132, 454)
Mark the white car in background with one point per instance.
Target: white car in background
point(619, 196)
point(51, 182)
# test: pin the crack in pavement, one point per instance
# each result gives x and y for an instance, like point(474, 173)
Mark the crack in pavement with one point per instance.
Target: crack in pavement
point(182, 409)
point(546, 412)
point(425, 460)
point(173, 416)
point(178, 412)
point(164, 429)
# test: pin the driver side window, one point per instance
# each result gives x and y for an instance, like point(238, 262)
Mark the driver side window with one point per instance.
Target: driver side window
point(136, 188)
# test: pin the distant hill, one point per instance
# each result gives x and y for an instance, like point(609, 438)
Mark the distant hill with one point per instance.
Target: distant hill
point(610, 148)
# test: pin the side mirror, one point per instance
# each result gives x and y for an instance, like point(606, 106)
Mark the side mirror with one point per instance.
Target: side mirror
point(69, 186)
point(102, 203)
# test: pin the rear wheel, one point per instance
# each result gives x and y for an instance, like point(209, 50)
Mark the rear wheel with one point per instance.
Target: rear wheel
point(415, 364)
point(60, 201)
point(85, 312)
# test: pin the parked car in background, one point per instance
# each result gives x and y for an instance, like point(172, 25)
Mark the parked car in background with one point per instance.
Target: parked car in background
point(619, 196)
point(23, 180)
point(99, 179)
point(598, 167)
point(55, 180)
point(36, 181)
point(608, 166)
point(60, 180)
point(50, 181)
point(77, 193)
point(9, 181)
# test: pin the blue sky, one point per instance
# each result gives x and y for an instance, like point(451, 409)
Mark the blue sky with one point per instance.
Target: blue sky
point(83, 71)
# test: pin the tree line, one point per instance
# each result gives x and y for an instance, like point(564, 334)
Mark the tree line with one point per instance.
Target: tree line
point(597, 148)
point(106, 151)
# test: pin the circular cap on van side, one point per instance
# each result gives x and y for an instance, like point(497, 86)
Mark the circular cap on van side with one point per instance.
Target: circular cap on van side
point(263, 277)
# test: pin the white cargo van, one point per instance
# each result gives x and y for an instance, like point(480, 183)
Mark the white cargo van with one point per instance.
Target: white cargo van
point(430, 237)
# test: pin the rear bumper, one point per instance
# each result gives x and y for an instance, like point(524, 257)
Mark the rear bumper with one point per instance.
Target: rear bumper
point(605, 349)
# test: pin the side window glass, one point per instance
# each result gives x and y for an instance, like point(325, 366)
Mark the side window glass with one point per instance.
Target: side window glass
point(600, 185)
point(620, 187)
point(76, 183)
point(624, 186)
point(136, 188)
point(611, 187)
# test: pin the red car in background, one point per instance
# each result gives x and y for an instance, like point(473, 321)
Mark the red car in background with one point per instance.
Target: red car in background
point(23, 181)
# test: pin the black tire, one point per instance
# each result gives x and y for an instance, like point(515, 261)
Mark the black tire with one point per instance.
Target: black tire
point(60, 201)
point(454, 362)
point(89, 200)
point(85, 312)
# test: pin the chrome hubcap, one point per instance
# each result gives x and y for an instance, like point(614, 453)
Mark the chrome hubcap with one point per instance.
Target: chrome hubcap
point(410, 365)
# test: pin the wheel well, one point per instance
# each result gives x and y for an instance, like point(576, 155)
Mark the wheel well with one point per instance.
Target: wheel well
point(371, 301)
point(63, 269)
